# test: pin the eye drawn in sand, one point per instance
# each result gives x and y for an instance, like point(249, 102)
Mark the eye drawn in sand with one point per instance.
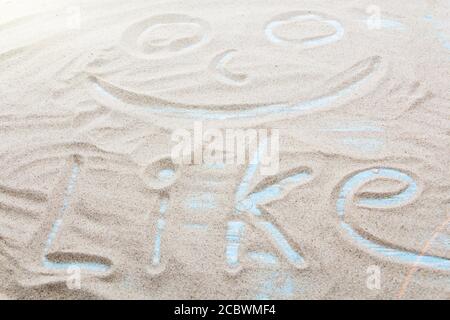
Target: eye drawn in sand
point(249, 202)
point(333, 33)
point(340, 88)
point(165, 35)
point(383, 201)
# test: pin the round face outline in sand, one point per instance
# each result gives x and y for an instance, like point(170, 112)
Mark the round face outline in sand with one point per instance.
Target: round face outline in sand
point(337, 89)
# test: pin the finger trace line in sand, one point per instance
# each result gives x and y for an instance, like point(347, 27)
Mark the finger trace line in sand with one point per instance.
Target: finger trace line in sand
point(358, 128)
point(392, 24)
point(70, 189)
point(358, 180)
point(245, 203)
point(124, 100)
point(159, 175)
point(350, 137)
point(218, 68)
point(272, 193)
point(263, 257)
point(423, 251)
point(233, 238)
point(302, 17)
point(443, 35)
point(136, 40)
point(161, 224)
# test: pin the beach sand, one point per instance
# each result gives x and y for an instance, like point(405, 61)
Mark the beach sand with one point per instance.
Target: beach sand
point(94, 206)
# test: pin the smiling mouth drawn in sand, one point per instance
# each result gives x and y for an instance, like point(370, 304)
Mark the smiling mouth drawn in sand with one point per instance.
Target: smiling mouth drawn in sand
point(189, 34)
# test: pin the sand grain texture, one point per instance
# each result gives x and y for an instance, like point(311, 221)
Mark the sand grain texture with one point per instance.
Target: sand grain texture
point(91, 91)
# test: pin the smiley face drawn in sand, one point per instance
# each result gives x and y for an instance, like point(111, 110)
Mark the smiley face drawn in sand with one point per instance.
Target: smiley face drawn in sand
point(237, 82)
point(160, 176)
